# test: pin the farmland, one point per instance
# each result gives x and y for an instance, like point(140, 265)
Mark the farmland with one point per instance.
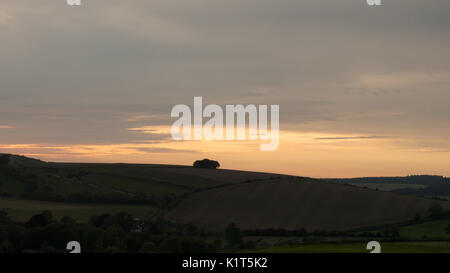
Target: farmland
point(189, 203)
point(360, 247)
point(21, 210)
point(292, 203)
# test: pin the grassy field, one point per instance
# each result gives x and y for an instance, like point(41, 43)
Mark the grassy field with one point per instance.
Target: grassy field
point(386, 247)
point(154, 181)
point(432, 229)
point(22, 210)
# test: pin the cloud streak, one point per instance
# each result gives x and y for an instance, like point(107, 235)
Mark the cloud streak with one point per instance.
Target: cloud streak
point(352, 137)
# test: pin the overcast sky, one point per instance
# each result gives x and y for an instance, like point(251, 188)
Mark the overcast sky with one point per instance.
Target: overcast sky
point(362, 90)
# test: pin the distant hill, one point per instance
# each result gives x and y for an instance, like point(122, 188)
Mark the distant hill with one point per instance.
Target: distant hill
point(417, 185)
point(411, 179)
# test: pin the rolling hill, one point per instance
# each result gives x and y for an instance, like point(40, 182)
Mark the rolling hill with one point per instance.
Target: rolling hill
point(211, 199)
point(293, 203)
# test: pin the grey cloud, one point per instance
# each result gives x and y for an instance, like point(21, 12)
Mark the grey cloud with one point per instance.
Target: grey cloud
point(78, 75)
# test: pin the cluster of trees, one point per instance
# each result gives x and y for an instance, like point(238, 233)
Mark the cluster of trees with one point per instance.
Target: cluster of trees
point(104, 233)
point(113, 233)
point(387, 232)
point(276, 232)
point(206, 164)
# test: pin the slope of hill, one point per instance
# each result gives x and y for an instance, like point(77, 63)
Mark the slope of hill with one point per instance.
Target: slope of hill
point(158, 185)
point(10, 159)
point(293, 203)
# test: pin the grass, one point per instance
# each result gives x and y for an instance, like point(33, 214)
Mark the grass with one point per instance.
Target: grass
point(152, 181)
point(21, 210)
point(360, 247)
point(431, 229)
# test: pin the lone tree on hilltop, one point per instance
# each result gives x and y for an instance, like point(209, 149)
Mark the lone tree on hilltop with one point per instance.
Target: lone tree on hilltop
point(206, 164)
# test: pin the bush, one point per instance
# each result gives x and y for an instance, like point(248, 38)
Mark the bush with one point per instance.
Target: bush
point(39, 220)
point(233, 235)
point(7, 247)
point(436, 211)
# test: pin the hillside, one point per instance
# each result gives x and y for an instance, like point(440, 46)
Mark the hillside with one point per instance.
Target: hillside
point(208, 198)
point(293, 203)
point(10, 159)
point(155, 185)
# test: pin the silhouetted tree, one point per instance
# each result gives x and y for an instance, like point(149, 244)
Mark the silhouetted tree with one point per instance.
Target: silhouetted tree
point(233, 235)
point(206, 164)
point(417, 217)
point(39, 220)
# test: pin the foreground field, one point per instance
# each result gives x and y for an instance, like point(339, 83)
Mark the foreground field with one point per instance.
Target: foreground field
point(432, 229)
point(386, 247)
point(293, 203)
point(21, 210)
point(429, 230)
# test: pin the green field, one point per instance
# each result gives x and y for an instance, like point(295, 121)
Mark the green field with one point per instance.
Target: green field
point(432, 229)
point(21, 210)
point(360, 247)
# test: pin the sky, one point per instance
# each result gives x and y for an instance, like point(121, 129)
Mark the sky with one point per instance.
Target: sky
point(363, 91)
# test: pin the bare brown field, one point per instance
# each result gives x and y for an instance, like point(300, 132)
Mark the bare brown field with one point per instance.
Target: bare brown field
point(292, 203)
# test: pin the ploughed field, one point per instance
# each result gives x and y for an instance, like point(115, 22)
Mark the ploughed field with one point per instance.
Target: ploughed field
point(293, 203)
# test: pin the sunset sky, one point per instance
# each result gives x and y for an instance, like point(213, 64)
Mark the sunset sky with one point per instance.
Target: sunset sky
point(363, 91)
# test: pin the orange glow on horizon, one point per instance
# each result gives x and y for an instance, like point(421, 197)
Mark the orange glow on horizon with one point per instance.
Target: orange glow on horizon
point(303, 154)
